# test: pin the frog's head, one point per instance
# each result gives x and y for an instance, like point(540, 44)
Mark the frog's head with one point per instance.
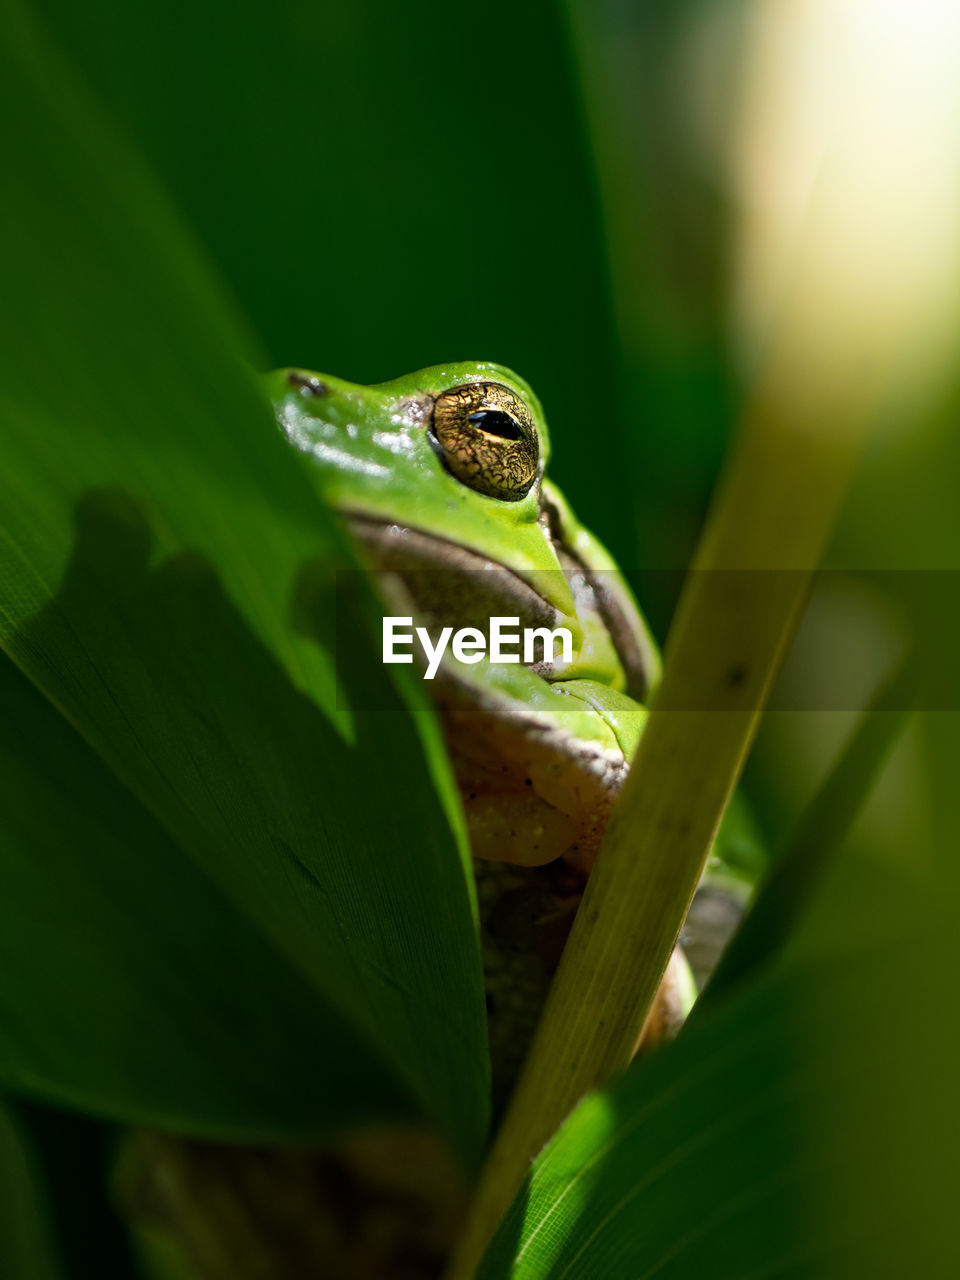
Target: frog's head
point(443, 469)
point(440, 475)
point(456, 452)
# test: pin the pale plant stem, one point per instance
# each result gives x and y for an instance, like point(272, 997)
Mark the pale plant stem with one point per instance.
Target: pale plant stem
point(735, 619)
point(846, 307)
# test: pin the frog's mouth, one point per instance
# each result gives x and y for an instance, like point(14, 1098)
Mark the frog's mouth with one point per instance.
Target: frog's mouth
point(452, 585)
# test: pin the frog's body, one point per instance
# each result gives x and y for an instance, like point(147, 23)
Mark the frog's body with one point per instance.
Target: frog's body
point(440, 476)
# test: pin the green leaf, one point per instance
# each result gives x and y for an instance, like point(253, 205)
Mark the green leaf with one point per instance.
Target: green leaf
point(801, 865)
point(805, 1129)
point(141, 991)
point(73, 1158)
point(26, 1249)
point(167, 583)
point(805, 1122)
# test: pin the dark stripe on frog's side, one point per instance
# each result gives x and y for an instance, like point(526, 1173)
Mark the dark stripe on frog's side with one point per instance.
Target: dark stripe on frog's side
point(638, 660)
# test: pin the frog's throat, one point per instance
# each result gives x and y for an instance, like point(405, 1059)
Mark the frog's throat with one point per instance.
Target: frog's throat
point(452, 583)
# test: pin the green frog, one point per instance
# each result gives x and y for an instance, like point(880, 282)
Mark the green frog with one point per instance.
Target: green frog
point(440, 478)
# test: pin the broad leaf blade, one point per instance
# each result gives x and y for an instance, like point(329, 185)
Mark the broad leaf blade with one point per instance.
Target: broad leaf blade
point(787, 1135)
point(140, 992)
point(26, 1247)
point(167, 583)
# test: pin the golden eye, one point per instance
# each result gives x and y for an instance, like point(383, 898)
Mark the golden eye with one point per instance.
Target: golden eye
point(488, 439)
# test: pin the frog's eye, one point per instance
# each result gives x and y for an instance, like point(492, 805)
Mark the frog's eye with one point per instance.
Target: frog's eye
point(487, 438)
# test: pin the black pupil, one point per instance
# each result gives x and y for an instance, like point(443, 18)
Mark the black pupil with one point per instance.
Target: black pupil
point(496, 423)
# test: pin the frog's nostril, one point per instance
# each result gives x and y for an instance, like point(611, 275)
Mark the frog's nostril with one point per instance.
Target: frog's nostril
point(308, 384)
point(496, 423)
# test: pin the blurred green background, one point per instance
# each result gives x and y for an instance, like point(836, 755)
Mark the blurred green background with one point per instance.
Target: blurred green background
point(387, 186)
point(383, 187)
